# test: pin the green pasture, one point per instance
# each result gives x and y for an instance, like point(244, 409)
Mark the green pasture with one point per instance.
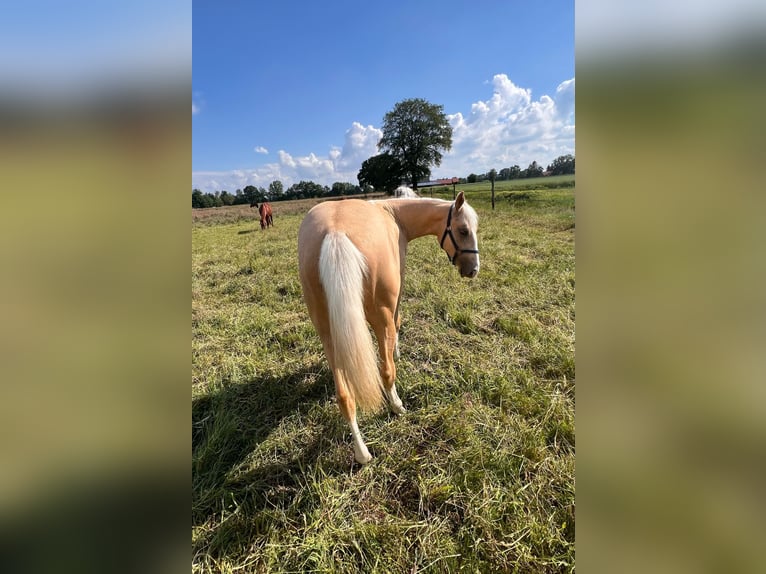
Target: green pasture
point(477, 476)
point(553, 182)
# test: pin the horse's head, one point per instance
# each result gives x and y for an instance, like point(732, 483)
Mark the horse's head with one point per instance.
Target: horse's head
point(463, 249)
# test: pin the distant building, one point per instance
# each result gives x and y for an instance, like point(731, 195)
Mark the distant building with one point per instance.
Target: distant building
point(448, 181)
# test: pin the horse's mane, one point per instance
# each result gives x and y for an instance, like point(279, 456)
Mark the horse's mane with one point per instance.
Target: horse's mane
point(388, 204)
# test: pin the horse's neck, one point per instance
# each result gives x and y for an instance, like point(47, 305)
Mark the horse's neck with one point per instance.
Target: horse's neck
point(419, 217)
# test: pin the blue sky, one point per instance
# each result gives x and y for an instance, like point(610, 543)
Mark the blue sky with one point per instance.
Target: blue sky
point(298, 90)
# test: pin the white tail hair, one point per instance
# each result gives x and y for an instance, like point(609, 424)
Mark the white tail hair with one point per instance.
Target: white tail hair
point(342, 269)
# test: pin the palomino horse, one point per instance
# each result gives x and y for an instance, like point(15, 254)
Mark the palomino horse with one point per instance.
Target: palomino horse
point(351, 262)
point(265, 211)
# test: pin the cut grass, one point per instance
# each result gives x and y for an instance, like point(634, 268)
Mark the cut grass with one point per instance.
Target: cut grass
point(478, 475)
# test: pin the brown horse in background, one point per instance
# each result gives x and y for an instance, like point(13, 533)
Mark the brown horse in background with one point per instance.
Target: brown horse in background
point(264, 210)
point(351, 264)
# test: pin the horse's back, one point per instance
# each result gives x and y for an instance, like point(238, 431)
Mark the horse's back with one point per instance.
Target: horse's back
point(369, 226)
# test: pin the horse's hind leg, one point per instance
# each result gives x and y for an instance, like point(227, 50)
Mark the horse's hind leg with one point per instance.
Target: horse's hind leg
point(347, 406)
point(398, 323)
point(346, 402)
point(387, 333)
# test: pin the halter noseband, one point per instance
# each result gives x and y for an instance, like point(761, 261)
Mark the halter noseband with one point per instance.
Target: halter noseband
point(448, 232)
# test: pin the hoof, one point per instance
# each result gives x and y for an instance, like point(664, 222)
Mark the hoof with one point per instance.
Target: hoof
point(398, 409)
point(361, 454)
point(362, 458)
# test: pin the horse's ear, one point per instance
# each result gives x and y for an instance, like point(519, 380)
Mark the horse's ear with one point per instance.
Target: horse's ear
point(459, 200)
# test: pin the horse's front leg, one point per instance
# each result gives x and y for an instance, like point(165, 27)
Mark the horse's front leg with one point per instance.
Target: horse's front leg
point(387, 334)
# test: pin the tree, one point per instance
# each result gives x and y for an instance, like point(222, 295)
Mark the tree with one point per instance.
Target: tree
point(416, 132)
point(562, 165)
point(306, 189)
point(383, 172)
point(533, 170)
point(340, 188)
point(276, 189)
point(239, 198)
point(201, 200)
point(471, 178)
point(227, 198)
point(251, 194)
point(492, 176)
point(198, 199)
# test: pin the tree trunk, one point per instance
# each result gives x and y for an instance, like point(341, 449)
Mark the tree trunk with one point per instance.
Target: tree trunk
point(493, 195)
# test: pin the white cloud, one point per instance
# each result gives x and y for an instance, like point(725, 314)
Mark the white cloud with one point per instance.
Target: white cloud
point(340, 164)
point(196, 103)
point(361, 142)
point(286, 159)
point(509, 128)
point(261, 149)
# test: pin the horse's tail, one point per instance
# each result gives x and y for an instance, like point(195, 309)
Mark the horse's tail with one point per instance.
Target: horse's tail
point(342, 269)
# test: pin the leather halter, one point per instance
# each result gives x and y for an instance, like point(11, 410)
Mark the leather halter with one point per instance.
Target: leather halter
point(448, 232)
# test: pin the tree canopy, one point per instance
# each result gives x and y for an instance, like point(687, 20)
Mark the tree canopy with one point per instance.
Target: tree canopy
point(383, 172)
point(562, 164)
point(276, 189)
point(534, 170)
point(416, 132)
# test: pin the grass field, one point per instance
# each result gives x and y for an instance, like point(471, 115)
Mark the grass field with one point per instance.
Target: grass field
point(477, 476)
